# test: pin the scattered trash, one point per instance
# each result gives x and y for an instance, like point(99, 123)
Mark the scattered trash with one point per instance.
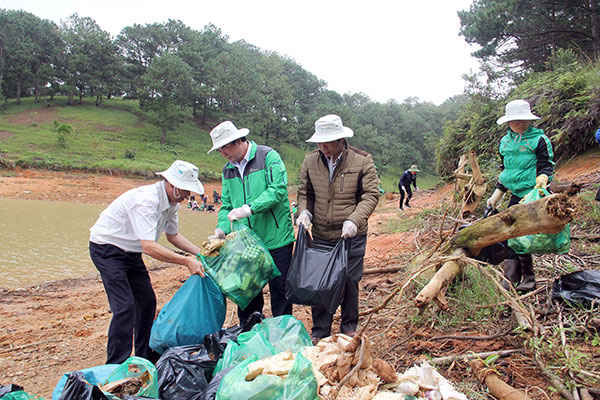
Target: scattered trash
point(195, 310)
point(93, 376)
point(579, 287)
point(77, 388)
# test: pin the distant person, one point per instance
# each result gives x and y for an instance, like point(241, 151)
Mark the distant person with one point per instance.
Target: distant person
point(190, 202)
point(195, 206)
point(527, 163)
point(216, 197)
point(204, 201)
point(409, 177)
point(128, 227)
point(338, 192)
point(254, 193)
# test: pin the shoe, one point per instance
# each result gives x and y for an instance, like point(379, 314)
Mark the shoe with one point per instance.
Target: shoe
point(407, 205)
point(315, 340)
point(512, 273)
point(528, 282)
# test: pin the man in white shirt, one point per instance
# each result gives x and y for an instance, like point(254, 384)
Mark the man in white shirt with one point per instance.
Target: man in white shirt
point(128, 227)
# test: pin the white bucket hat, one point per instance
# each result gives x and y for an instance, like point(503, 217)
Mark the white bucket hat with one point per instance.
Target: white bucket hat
point(414, 168)
point(183, 175)
point(328, 129)
point(224, 133)
point(517, 110)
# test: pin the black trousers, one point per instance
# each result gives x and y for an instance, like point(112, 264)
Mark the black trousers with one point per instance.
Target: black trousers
point(131, 298)
point(321, 318)
point(279, 304)
point(401, 189)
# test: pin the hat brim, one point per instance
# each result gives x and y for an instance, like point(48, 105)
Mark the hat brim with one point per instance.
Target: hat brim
point(344, 133)
point(521, 117)
point(240, 133)
point(195, 187)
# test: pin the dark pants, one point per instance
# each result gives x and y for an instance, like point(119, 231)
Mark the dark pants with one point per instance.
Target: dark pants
point(321, 318)
point(131, 299)
point(279, 304)
point(401, 189)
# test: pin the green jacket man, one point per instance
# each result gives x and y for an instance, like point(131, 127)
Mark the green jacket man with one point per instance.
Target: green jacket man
point(254, 193)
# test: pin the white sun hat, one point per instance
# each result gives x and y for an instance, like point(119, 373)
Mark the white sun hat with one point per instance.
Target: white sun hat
point(328, 129)
point(183, 175)
point(224, 133)
point(517, 110)
point(414, 168)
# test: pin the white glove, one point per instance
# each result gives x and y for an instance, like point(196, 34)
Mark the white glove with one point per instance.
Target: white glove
point(349, 229)
point(239, 213)
point(219, 234)
point(495, 198)
point(304, 219)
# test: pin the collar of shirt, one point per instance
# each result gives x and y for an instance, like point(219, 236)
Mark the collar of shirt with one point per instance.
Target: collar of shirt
point(241, 165)
point(331, 164)
point(163, 199)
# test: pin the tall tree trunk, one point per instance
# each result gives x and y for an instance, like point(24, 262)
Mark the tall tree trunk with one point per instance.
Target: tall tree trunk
point(163, 136)
point(19, 83)
point(204, 112)
point(595, 23)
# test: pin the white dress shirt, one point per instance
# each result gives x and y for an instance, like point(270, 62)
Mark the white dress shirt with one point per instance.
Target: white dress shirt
point(142, 213)
point(241, 165)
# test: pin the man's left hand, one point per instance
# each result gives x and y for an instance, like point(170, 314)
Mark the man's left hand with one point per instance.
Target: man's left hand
point(349, 229)
point(239, 213)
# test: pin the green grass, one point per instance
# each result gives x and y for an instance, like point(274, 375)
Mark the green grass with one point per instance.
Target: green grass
point(116, 136)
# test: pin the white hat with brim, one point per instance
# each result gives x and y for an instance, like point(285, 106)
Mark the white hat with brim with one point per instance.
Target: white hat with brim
point(328, 129)
point(183, 175)
point(414, 168)
point(225, 133)
point(517, 110)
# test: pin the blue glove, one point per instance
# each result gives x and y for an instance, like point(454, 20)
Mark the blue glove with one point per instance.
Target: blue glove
point(598, 136)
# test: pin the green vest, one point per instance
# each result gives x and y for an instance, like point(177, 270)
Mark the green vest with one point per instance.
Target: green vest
point(264, 189)
point(518, 152)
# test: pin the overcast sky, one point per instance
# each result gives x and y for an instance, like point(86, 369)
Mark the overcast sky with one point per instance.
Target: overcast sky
point(387, 49)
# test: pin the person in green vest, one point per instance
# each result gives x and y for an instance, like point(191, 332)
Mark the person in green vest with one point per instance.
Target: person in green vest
point(527, 163)
point(254, 192)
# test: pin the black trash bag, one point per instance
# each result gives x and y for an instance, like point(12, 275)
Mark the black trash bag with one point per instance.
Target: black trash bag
point(317, 273)
point(215, 343)
point(210, 393)
point(77, 388)
point(580, 287)
point(184, 371)
point(5, 389)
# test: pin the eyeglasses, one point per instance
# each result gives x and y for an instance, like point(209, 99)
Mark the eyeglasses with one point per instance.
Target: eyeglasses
point(227, 146)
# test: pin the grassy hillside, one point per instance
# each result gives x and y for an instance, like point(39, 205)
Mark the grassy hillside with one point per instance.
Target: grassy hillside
point(117, 137)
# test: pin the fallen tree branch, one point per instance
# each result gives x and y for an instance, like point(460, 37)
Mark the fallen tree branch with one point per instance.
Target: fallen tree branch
point(470, 356)
point(553, 379)
point(433, 289)
point(472, 337)
point(497, 387)
point(382, 270)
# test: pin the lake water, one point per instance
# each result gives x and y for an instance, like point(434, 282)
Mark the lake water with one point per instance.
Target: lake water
point(48, 240)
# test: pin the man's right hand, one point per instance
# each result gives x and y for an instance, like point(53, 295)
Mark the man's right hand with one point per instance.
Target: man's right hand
point(219, 234)
point(304, 219)
point(195, 266)
point(495, 198)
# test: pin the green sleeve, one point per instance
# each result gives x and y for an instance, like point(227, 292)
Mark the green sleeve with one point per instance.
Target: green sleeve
point(276, 192)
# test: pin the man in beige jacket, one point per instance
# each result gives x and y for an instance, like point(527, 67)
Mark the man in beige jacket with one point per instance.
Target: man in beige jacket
point(338, 192)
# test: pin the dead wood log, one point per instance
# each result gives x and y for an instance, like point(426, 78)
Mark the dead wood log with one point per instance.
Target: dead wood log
point(570, 188)
point(497, 387)
point(439, 281)
point(547, 215)
point(383, 270)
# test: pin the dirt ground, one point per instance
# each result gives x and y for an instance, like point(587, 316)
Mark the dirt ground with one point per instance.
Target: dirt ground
point(57, 327)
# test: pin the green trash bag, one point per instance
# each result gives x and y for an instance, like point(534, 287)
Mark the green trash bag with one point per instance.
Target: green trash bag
point(542, 243)
point(20, 395)
point(300, 383)
point(271, 336)
point(134, 367)
point(243, 266)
